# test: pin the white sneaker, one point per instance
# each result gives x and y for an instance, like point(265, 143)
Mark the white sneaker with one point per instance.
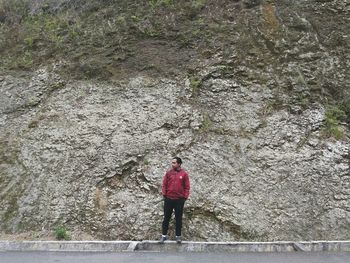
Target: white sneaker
point(162, 239)
point(178, 239)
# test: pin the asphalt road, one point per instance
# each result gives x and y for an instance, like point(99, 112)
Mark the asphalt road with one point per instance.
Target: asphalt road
point(157, 257)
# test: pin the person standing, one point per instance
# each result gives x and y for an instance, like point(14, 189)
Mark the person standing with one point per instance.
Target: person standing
point(175, 190)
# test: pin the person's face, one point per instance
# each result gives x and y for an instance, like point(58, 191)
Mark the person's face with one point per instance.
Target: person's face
point(174, 164)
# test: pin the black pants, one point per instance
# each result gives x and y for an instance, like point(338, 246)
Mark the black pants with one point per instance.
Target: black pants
point(169, 206)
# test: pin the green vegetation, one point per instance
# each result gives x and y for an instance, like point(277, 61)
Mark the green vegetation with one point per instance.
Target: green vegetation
point(334, 115)
point(25, 61)
point(195, 85)
point(61, 233)
point(156, 3)
point(13, 11)
point(97, 40)
point(345, 107)
point(302, 100)
point(44, 28)
point(198, 4)
point(111, 39)
point(30, 39)
point(206, 123)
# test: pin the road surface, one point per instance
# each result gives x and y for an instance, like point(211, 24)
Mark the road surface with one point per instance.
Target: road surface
point(161, 257)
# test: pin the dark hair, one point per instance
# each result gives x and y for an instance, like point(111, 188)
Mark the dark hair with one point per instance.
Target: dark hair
point(178, 160)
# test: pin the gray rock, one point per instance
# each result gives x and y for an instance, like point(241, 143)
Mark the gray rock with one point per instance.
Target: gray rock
point(91, 154)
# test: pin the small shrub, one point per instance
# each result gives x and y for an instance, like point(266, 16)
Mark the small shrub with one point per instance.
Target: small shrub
point(195, 84)
point(302, 100)
point(206, 123)
point(51, 28)
point(198, 4)
point(333, 116)
point(61, 233)
point(345, 106)
point(29, 41)
point(135, 18)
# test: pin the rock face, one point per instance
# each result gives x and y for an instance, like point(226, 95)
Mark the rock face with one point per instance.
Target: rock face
point(247, 114)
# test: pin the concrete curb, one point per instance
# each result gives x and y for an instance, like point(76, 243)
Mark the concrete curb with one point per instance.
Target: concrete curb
point(98, 246)
point(282, 246)
point(171, 246)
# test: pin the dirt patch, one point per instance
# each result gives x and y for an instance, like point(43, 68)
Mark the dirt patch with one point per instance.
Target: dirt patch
point(155, 57)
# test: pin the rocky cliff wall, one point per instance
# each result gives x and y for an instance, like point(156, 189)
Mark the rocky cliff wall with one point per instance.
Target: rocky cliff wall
point(258, 110)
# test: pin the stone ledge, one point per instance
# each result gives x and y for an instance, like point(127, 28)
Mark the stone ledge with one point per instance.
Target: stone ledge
point(171, 246)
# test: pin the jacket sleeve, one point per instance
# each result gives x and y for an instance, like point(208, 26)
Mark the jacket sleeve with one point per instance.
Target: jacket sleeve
point(164, 184)
point(186, 186)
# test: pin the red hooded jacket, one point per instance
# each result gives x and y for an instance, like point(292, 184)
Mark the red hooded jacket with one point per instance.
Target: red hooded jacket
point(176, 184)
